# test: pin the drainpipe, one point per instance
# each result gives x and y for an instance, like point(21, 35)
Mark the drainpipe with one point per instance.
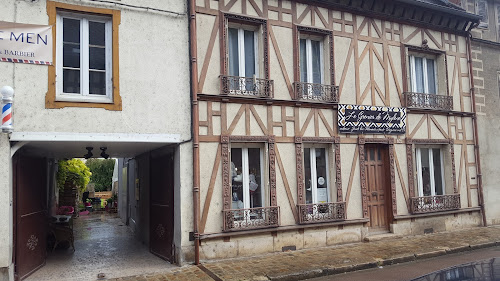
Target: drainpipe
point(196, 142)
point(476, 135)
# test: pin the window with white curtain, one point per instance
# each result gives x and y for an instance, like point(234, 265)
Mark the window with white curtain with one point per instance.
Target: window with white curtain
point(84, 58)
point(430, 171)
point(243, 52)
point(423, 74)
point(311, 61)
point(247, 170)
point(316, 175)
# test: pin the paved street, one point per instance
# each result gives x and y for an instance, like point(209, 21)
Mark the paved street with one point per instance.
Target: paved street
point(410, 270)
point(311, 263)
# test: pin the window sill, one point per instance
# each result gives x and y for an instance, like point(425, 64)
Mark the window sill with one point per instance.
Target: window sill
point(79, 98)
point(62, 103)
point(442, 213)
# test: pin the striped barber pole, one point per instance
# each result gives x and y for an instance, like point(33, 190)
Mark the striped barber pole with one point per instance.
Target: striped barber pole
point(26, 61)
point(7, 115)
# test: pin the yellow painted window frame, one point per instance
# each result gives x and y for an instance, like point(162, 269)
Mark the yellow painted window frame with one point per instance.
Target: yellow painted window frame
point(50, 97)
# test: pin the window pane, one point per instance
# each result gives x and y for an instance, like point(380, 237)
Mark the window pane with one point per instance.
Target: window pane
point(303, 61)
point(321, 175)
point(233, 52)
point(71, 81)
point(249, 54)
point(316, 62)
point(71, 55)
point(307, 175)
point(254, 178)
point(97, 83)
point(426, 176)
point(431, 77)
point(97, 33)
point(97, 58)
point(419, 76)
point(438, 180)
point(71, 30)
point(482, 10)
point(237, 178)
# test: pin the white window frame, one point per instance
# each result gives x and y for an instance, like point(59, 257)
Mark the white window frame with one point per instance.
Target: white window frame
point(314, 175)
point(413, 75)
point(241, 50)
point(84, 95)
point(418, 153)
point(246, 175)
point(309, 66)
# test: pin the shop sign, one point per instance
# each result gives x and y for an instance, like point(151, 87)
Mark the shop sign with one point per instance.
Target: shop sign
point(25, 43)
point(365, 119)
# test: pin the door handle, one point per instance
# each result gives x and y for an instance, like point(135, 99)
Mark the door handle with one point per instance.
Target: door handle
point(374, 193)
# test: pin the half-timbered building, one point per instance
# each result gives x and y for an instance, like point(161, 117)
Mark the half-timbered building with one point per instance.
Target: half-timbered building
point(326, 122)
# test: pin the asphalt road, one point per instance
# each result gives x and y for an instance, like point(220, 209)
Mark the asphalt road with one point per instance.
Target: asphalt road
point(410, 270)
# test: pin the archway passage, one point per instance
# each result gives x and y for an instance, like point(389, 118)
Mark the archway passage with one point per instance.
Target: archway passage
point(115, 244)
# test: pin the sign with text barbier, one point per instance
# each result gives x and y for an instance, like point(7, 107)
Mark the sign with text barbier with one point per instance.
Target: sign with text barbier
point(25, 43)
point(366, 119)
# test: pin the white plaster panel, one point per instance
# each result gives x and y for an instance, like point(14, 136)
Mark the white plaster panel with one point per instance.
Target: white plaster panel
point(287, 154)
point(204, 25)
point(471, 154)
point(400, 153)
point(300, 9)
point(232, 110)
point(211, 83)
point(273, 15)
point(236, 8)
point(468, 128)
point(412, 122)
point(284, 39)
point(304, 112)
point(354, 209)
point(395, 54)
point(359, 21)
point(407, 31)
point(324, 12)
point(5, 202)
point(207, 156)
point(348, 90)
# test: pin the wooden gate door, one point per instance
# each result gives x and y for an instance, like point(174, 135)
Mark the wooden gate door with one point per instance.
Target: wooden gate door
point(378, 183)
point(161, 227)
point(30, 227)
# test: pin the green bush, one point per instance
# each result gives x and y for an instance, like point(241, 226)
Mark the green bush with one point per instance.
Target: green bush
point(75, 171)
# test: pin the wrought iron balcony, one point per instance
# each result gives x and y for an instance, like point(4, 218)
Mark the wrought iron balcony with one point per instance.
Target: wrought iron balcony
point(316, 92)
point(428, 101)
point(244, 219)
point(437, 203)
point(323, 212)
point(246, 86)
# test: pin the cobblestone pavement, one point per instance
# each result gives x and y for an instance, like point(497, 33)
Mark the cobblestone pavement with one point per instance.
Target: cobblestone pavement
point(303, 264)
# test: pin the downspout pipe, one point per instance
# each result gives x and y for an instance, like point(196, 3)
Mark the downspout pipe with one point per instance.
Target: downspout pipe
point(195, 121)
point(476, 135)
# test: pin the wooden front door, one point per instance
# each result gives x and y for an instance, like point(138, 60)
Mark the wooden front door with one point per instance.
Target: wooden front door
point(378, 186)
point(30, 227)
point(161, 227)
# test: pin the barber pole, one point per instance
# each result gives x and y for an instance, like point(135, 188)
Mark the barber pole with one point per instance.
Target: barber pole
point(7, 98)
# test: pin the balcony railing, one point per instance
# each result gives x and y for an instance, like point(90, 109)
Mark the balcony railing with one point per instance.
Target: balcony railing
point(437, 203)
point(428, 101)
point(246, 86)
point(322, 212)
point(316, 92)
point(244, 219)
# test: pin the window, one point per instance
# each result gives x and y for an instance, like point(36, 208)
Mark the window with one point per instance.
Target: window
point(247, 178)
point(243, 52)
point(498, 21)
point(316, 175)
point(311, 61)
point(86, 67)
point(482, 10)
point(423, 74)
point(84, 58)
point(430, 172)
